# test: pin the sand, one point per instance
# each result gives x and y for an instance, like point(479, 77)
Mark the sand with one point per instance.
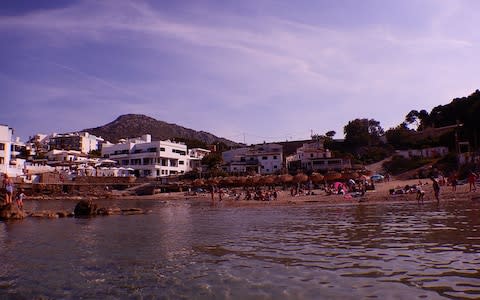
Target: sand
point(381, 194)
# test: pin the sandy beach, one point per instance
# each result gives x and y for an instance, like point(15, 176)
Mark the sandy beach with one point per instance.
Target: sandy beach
point(381, 194)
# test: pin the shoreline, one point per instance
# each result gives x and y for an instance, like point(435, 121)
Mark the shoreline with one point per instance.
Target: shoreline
point(380, 195)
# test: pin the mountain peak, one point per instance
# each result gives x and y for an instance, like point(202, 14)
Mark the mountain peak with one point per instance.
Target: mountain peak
point(134, 125)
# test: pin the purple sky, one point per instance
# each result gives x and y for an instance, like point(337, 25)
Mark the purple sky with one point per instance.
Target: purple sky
point(260, 70)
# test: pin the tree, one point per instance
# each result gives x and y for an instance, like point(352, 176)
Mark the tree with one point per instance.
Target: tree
point(330, 134)
point(212, 161)
point(425, 119)
point(400, 137)
point(412, 117)
point(421, 119)
point(363, 132)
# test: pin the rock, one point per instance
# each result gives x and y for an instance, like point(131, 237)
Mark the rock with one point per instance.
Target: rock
point(85, 208)
point(11, 212)
point(132, 211)
point(44, 214)
point(64, 214)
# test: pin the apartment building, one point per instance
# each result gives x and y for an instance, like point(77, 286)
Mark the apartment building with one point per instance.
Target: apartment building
point(79, 141)
point(149, 158)
point(314, 157)
point(261, 159)
point(10, 148)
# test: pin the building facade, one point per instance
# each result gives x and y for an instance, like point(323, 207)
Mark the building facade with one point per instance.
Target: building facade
point(314, 157)
point(432, 152)
point(261, 159)
point(149, 158)
point(10, 149)
point(79, 141)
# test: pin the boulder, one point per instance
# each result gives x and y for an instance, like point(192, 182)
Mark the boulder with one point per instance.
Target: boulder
point(11, 212)
point(85, 208)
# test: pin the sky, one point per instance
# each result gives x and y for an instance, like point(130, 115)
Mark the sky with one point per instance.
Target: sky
point(249, 71)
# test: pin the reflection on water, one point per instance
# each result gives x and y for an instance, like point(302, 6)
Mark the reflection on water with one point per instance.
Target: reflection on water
point(190, 250)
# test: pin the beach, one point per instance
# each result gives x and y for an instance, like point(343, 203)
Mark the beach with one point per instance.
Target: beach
point(381, 194)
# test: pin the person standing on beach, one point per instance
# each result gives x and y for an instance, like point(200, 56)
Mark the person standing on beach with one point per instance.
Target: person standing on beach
point(436, 189)
point(212, 193)
point(453, 182)
point(7, 184)
point(19, 199)
point(472, 177)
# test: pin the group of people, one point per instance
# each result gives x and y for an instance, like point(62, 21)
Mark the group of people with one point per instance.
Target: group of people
point(257, 194)
point(451, 180)
point(8, 188)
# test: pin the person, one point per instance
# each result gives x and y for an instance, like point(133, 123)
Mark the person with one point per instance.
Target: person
point(436, 189)
point(8, 186)
point(420, 195)
point(472, 177)
point(19, 199)
point(453, 182)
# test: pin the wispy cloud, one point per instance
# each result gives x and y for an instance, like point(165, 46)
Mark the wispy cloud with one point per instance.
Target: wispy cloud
point(216, 66)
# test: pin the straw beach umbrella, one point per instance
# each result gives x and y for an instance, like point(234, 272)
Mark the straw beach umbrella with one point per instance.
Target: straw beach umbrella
point(198, 182)
point(317, 178)
point(226, 181)
point(332, 176)
point(350, 175)
point(270, 179)
point(300, 178)
point(242, 181)
point(286, 178)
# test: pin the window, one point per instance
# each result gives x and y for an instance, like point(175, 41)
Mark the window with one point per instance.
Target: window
point(152, 149)
point(181, 152)
point(2, 146)
point(264, 158)
point(181, 162)
point(136, 162)
point(274, 157)
point(2, 160)
point(162, 149)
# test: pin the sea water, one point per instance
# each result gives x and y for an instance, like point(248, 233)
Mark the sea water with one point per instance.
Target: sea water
point(191, 250)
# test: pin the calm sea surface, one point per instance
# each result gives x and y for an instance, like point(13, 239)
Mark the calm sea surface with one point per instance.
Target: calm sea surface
point(187, 250)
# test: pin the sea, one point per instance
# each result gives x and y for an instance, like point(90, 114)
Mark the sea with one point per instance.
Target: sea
point(187, 249)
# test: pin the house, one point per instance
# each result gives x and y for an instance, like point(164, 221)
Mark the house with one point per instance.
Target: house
point(433, 152)
point(79, 141)
point(261, 159)
point(313, 156)
point(149, 158)
point(10, 163)
point(195, 156)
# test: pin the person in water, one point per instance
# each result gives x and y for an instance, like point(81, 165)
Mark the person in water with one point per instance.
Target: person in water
point(436, 189)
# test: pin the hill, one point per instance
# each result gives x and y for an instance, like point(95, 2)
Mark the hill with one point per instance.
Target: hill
point(134, 125)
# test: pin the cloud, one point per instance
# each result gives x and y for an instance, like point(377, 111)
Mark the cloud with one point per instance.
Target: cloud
point(252, 72)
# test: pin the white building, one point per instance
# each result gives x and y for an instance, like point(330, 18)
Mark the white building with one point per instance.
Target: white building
point(262, 159)
point(432, 152)
point(9, 150)
point(80, 141)
point(147, 158)
point(195, 156)
point(314, 157)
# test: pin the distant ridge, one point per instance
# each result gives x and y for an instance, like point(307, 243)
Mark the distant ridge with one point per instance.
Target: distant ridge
point(135, 125)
